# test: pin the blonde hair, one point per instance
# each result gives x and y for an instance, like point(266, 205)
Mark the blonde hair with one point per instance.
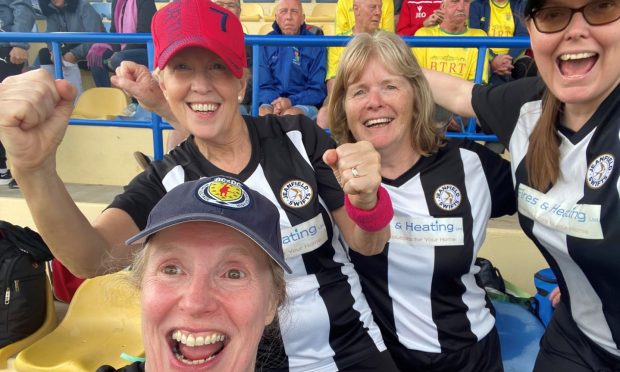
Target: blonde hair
point(427, 136)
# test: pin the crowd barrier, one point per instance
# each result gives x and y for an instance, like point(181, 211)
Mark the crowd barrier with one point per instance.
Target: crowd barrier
point(157, 125)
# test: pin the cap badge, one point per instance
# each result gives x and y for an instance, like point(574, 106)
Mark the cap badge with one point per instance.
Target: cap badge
point(224, 192)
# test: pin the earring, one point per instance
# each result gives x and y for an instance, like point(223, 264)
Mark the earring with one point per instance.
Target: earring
point(239, 98)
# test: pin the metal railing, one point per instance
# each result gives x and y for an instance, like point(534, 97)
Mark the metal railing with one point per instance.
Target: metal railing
point(157, 125)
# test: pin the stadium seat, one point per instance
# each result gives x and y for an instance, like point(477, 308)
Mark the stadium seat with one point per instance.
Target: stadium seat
point(322, 12)
point(102, 322)
point(271, 16)
point(100, 103)
point(265, 29)
point(519, 334)
point(329, 29)
point(104, 9)
point(48, 325)
point(251, 12)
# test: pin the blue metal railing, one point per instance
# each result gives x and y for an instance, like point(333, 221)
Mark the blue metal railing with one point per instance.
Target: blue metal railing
point(156, 124)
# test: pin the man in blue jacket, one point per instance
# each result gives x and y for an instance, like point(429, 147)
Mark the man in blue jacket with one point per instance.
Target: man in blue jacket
point(291, 79)
point(500, 18)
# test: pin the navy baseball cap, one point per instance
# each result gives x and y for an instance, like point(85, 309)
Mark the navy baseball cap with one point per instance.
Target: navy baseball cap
point(222, 200)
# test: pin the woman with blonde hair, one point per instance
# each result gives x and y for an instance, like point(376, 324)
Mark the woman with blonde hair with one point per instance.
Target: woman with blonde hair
point(433, 314)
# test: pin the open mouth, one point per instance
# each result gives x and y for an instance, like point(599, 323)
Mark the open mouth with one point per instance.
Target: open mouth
point(194, 349)
point(379, 122)
point(574, 65)
point(204, 107)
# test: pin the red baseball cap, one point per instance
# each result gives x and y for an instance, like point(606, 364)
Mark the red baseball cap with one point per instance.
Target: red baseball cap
point(200, 23)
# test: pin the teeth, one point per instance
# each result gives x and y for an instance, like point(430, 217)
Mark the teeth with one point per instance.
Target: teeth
point(191, 340)
point(192, 362)
point(204, 107)
point(574, 56)
point(377, 121)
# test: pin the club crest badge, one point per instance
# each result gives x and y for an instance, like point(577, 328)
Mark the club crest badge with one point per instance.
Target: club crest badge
point(600, 170)
point(224, 192)
point(447, 197)
point(296, 193)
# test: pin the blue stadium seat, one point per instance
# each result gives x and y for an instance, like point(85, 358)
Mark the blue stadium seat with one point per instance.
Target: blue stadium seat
point(104, 9)
point(519, 334)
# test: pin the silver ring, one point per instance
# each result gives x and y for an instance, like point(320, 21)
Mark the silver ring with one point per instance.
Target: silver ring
point(355, 172)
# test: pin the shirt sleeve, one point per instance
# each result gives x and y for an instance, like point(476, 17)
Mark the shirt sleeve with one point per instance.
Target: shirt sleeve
point(498, 107)
point(140, 196)
point(316, 142)
point(499, 179)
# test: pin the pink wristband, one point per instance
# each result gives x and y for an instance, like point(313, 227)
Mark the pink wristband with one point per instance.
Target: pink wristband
point(373, 219)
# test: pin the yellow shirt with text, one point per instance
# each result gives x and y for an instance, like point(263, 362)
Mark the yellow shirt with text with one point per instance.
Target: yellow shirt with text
point(460, 62)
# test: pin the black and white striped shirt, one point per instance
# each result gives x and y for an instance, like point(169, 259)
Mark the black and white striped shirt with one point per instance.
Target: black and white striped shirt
point(576, 224)
point(422, 288)
point(327, 323)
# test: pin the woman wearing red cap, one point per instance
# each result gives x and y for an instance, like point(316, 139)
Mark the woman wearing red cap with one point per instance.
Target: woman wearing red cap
point(562, 130)
point(201, 72)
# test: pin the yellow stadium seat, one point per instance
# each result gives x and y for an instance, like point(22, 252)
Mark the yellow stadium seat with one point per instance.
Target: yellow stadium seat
point(251, 12)
point(102, 322)
point(329, 29)
point(271, 16)
point(48, 325)
point(265, 29)
point(100, 103)
point(322, 12)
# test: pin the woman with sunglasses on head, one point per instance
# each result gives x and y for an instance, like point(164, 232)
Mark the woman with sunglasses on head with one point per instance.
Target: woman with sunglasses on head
point(562, 130)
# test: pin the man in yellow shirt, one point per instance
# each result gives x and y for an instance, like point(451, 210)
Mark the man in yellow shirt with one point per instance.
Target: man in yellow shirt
point(345, 17)
point(460, 62)
point(367, 15)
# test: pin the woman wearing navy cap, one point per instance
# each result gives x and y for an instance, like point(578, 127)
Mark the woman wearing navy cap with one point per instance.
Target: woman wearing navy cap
point(562, 133)
point(201, 71)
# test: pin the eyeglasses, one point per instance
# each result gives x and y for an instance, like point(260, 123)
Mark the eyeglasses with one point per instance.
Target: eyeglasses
point(556, 19)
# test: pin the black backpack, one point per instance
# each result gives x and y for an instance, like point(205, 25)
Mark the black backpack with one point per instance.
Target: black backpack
point(22, 282)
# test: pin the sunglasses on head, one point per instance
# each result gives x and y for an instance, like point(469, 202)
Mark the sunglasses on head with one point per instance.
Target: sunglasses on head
point(556, 18)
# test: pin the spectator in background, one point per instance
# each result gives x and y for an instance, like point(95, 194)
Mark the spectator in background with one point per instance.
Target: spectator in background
point(345, 17)
point(501, 18)
point(128, 16)
point(415, 14)
point(460, 62)
point(367, 14)
point(291, 79)
point(69, 16)
point(15, 16)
